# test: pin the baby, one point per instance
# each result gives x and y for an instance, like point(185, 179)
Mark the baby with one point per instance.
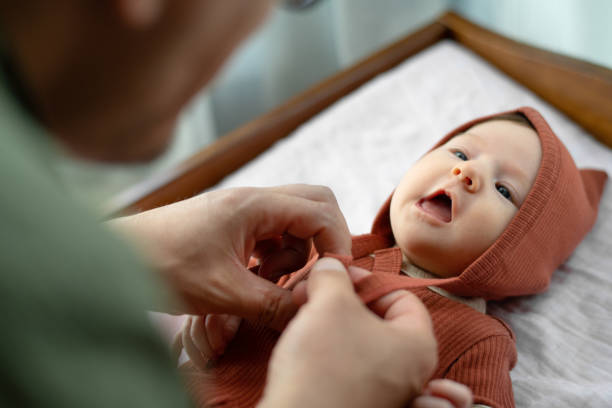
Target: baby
point(490, 212)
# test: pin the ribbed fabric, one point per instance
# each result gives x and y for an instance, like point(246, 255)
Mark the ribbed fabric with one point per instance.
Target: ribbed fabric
point(485, 368)
point(237, 378)
point(473, 348)
point(559, 210)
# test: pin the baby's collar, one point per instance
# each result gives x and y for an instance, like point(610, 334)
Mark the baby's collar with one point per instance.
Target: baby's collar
point(409, 269)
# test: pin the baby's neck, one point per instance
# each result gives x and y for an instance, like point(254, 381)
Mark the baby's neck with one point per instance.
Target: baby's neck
point(414, 271)
point(418, 271)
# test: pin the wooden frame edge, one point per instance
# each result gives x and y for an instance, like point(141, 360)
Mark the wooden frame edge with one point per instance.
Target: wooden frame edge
point(585, 99)
point(228, 153)
point(581, 90)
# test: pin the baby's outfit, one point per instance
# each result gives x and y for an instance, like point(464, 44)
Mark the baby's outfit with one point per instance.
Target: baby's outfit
point(474, 349)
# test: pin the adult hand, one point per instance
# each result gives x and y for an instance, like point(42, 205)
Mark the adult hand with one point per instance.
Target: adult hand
point(444, 393)
point(337, 353)
point(202, 246)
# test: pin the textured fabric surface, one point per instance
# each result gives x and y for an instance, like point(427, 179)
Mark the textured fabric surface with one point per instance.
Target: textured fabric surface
point(473, 348)
point(366, 142)
point(559, 210)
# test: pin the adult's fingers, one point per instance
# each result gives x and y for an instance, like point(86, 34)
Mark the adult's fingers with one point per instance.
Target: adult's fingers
point(220, 330)
point(459, 394)
point(427, 401)
point(264, 302)
point(199, 336)
point(308, 191)
point(231, 326)
point(299, 293)
point(176, 347)
point(301, 290)
point(190, 348)
point(406, 315)
point(301, 217)
point(328, 277)
point(356, 273)
point(400, 308)
point(214, 333)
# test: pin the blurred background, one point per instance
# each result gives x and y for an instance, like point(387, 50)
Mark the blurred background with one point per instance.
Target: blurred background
point(297, 47)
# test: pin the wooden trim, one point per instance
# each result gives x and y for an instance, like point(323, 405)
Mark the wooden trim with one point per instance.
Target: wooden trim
point(581, 90)
point(233, 150)
point(577, 88)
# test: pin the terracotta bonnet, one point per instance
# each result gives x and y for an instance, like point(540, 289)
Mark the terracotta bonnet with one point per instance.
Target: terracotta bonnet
point(557, 213)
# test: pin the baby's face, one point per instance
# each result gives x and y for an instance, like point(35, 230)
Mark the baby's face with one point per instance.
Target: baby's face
point(457, 199)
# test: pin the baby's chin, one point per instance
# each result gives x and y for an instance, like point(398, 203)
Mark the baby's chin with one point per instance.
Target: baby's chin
point(437, 269)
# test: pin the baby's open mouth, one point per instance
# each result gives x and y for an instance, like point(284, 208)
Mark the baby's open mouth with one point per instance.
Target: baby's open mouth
point(439, 205)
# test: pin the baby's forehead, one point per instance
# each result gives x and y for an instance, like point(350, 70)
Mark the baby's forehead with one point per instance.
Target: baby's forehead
point(470, 137)
point(500, 125)
point(498, 131)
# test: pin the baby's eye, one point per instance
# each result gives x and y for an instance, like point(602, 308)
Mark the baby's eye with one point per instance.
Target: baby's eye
point(504, 191)
point(460, 155)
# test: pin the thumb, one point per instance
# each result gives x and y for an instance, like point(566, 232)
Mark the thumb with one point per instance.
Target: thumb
point(328, 277)
point(326, 267)
point(399, 307)
point(266, 303)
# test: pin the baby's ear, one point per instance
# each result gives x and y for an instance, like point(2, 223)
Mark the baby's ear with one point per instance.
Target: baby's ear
point(594, 182)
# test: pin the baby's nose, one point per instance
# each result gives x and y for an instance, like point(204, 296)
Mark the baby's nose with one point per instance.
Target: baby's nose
point(466, 177)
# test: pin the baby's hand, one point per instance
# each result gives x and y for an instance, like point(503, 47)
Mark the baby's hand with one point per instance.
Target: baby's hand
point(444, 394)
point(206, 337)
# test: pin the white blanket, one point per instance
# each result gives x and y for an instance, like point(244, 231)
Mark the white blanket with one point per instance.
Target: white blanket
point(361, 146)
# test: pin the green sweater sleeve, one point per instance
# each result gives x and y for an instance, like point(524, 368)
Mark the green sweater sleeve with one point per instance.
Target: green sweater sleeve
point(72, 297)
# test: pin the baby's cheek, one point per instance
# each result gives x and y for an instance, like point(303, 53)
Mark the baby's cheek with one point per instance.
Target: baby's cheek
point(492, 225)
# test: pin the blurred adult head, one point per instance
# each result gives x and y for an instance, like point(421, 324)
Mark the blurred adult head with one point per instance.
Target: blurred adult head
point(109, 77)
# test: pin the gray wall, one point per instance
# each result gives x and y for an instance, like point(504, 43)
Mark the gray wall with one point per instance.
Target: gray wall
point(297, 49)
point(578, 28)
point(294, 50)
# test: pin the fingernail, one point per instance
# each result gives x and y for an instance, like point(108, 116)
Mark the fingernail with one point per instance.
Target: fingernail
point(330, 264)
point(357, 273)
point(359, 270)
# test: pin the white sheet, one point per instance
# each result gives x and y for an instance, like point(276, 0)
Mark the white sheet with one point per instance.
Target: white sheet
point(361, 146)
